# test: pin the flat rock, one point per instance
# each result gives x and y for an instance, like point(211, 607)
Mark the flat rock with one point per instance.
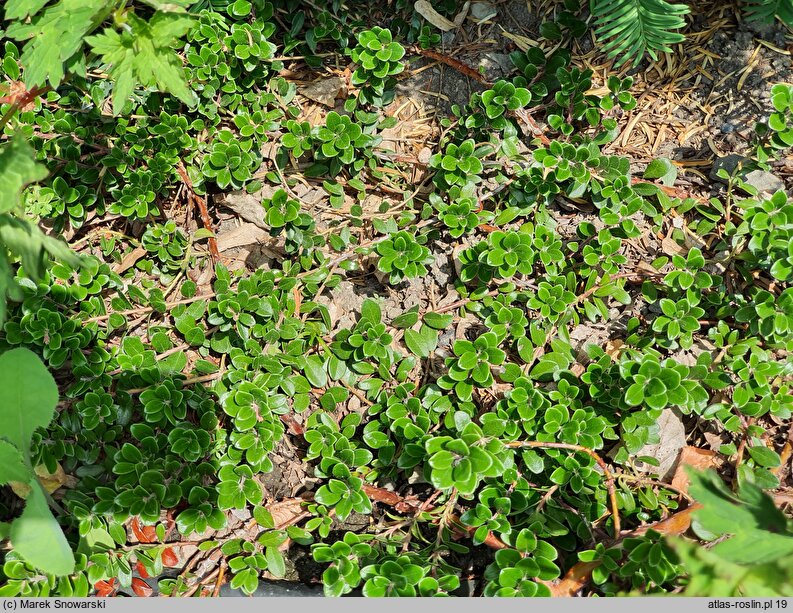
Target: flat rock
point(482, 11)
point(672, 435)
point(496, 65)
point(764, 182)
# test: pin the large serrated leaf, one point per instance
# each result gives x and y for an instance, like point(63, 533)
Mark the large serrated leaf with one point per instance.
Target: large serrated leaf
point(12, 464)
point(56, 37)
point(19, 9)
point(28, 396)
point(18, 168)
point(146, 58)
point(38, 538)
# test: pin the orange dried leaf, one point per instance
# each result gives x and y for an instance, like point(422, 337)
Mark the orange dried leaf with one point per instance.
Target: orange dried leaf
point(574, 580)
point(699, 459)
point(144, 534)
point(141, 588)
point(286, 512)
point(105, 588)
point(169, 558)
point(675, 525)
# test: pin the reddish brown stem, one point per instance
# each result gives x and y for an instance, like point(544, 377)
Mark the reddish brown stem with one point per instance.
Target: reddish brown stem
point(491, 540)
point(609, 478)
point(456, 64)
point(202, 210)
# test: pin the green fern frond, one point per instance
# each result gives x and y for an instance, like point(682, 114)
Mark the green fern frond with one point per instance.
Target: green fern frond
point(766, 10)
point(631, 28)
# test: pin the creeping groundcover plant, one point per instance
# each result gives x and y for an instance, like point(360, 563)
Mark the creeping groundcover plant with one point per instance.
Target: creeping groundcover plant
point(267, 316)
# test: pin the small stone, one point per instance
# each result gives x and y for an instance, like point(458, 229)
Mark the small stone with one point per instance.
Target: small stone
point(447, 38)
point(764, 182)
point(726, 128)
point(496, 64)
point(728, 163)
point(482, 11)
point(671, 439)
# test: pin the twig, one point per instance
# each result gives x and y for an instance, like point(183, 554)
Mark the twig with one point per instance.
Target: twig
point(193, 381)
point(21, 101)
point(463, 302)
point(221, 576)
point(456, 64)
point(525, 116)
point(201, 583)
point(202, 210)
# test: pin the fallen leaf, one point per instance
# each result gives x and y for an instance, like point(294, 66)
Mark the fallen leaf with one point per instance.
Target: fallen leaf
point(325, 91)
point(141, 570)
point(581, 572)
point(672, 438)
point(144, 534)
point(105, 588)
point(784, 457)
point(783, 498)
point(51, 482)
point(308, 196)
point(614, 348)
point(674, 525)
point(169, 558)
point(523, 43)
point(700, 459)
point(642, 266)
point(715, 439)
point(459, 18)
point(129, 260)
point(54, 481)
point(574, 580)
point(670, 247)
point(248, 206)
point(424, 8)
point(286, 512)
point(141, 588)
point(240, 236)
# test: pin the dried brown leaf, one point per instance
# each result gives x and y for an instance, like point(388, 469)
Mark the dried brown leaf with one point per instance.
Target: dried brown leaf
point(325, 91)
point(242, 235)
point(129, 260)
point(670, 247)
point(614, 348)
point(248, 206)
point(286, 512)
point(424, 8)
point(699, 459)
point(51, 482)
